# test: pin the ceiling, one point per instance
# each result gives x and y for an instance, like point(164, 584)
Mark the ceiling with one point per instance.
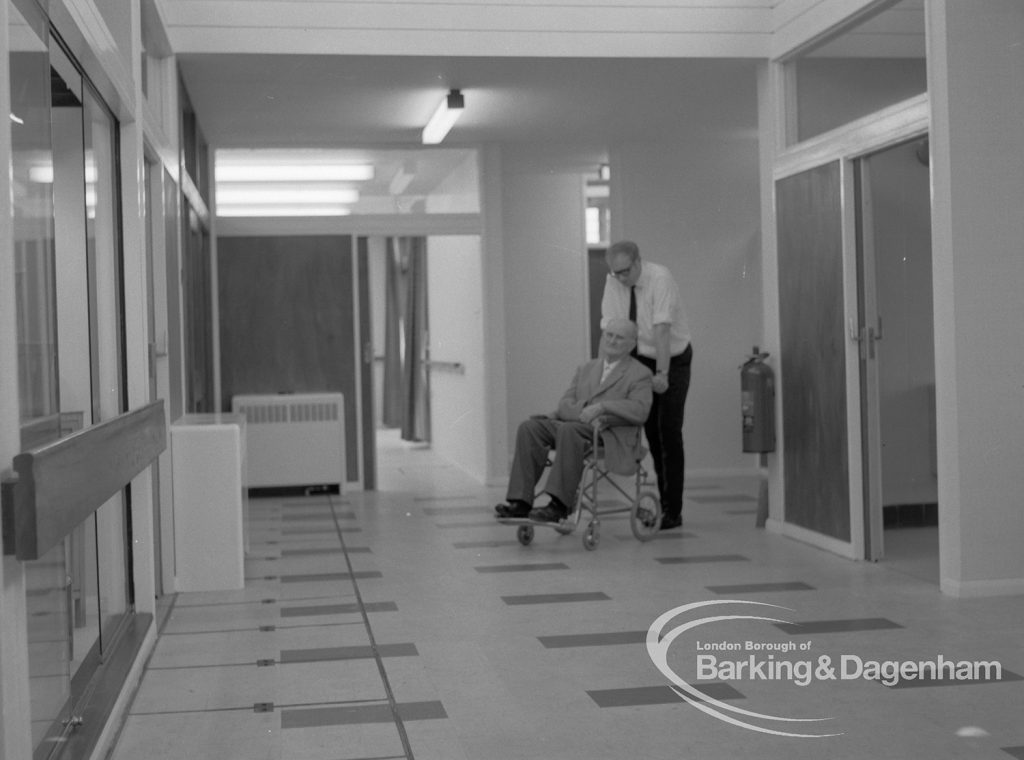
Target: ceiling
point(253, 100)
point(375, 106)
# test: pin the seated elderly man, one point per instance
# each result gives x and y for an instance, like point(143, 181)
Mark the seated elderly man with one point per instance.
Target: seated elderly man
point(614, 389)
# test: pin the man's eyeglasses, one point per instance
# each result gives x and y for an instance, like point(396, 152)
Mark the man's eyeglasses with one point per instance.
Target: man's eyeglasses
point(620, 273)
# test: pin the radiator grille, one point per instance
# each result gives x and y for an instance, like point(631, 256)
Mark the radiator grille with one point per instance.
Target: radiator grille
point(288, 412)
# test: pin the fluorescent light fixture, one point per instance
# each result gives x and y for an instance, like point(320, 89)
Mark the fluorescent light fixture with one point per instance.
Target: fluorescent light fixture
point(283, 210)
point(403, 177)
point(444, 118)
point(276, 196)
point(293, 172)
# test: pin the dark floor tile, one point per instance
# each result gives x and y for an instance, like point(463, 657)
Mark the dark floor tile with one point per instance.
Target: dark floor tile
point(700, 558)
point(521, 568)
point(657, 695)
point(757, 588)
point(587, 596)
point(838, 626)
point(593, 639)
point(361, 652)
point(337, 609)
point(352, 714)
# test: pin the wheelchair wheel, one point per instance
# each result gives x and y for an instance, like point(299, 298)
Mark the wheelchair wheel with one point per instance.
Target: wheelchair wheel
point(592, 536)
point(645, 516)
point(525, 534)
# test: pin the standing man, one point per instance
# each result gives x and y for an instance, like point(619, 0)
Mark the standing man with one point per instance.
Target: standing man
point(645, 292)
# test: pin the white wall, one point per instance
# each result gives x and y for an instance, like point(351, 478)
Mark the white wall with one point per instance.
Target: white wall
point(376, 260)
point(694, 207)
point(455, 306)
point(975, 58)
point(545, 284)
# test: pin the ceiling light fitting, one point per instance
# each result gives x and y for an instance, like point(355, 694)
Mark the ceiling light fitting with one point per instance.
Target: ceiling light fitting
point(444, 118)
point(254, 195)
point(282, 210)
point(293, 172)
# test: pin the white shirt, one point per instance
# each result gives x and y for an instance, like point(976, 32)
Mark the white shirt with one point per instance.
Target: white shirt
point(608, 369)
point(657, 302)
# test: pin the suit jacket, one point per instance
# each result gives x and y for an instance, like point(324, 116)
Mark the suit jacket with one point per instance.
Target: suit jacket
point(626, 397)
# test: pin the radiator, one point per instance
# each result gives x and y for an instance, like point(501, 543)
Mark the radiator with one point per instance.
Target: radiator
point(293, 440)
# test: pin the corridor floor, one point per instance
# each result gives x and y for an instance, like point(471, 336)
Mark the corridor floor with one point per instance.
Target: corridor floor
point(407, 623)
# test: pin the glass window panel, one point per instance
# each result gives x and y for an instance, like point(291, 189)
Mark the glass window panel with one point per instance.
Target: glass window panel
point(104, 252)
point(48, 647)
point(312, 183)
point(70, 345)
point(31, 173)
point(876, 64)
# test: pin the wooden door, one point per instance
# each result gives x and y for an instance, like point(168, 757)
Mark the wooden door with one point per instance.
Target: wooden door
point(813, 351)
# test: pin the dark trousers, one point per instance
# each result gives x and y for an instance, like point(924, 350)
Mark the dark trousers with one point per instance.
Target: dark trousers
point(571, 441)
point(664, 429)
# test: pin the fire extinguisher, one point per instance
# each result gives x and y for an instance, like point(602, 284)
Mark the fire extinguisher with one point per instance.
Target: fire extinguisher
point(757, 385)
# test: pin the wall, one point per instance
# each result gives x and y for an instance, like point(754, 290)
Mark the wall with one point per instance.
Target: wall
point(455, 306)
point(546, 330)
point(694, 207)
point(975, 60)
point(376, 251)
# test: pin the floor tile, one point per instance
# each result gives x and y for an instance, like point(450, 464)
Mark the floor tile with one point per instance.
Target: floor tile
point(497, 651)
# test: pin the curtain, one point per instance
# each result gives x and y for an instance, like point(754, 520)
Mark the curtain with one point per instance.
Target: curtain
point(406, 370)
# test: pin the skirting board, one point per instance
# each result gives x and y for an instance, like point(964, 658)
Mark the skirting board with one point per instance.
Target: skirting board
point(976, 589)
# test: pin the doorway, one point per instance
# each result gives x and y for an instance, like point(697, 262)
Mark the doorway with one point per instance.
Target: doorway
point(896, 336)
point(425, 308)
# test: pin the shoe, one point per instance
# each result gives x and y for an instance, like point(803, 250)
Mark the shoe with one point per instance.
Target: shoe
point(671, 521)
point(550, 513)
point(514, 508)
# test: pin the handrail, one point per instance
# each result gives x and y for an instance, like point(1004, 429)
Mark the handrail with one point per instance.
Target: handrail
point(59, 485)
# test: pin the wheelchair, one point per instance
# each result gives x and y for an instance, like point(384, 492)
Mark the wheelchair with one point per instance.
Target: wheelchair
point(644, 504)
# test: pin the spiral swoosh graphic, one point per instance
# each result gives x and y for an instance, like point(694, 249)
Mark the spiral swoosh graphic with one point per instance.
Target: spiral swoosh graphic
point(657, 649)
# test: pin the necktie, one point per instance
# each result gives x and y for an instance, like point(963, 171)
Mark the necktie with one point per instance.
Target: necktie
point(632, 313)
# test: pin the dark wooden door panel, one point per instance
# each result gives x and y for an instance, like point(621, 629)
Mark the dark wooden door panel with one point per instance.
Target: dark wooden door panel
point(809, 215)
point(286, 321)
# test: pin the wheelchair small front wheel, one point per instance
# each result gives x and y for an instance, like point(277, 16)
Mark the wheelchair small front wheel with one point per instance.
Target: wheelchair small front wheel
point(645, 516)
point(592, 536)
point(525, 534)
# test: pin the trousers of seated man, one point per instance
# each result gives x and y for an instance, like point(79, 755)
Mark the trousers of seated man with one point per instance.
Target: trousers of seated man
point(572, 441)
